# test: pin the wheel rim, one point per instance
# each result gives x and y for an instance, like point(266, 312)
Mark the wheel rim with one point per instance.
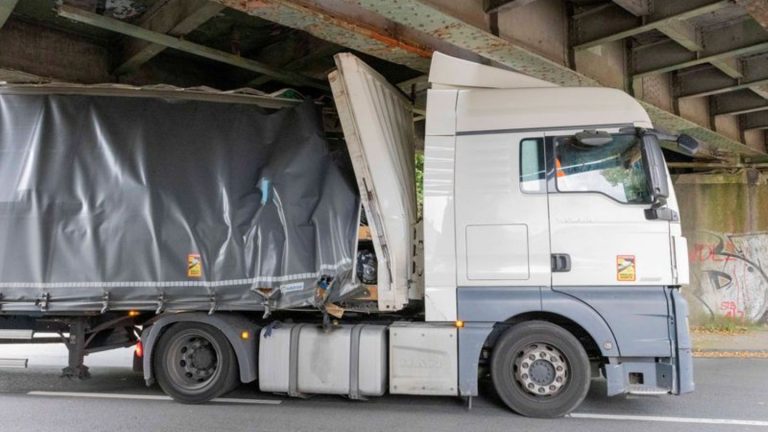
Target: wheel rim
point(193, 360)
point(541, 369)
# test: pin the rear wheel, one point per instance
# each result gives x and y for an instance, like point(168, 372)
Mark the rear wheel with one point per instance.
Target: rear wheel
point(195, 363)
point(540, 370)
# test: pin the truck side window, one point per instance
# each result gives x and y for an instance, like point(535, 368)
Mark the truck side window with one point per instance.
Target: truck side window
point(532, 170)
point(614, 169)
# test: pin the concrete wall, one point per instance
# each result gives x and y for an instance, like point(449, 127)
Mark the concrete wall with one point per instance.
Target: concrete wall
point(728, 125)
point(695, 109)
point(49, 53)
point(606, 63)
point(656, 89)
point(755, 138)
point(64, 56)
point(725, 218)
point(541, 26)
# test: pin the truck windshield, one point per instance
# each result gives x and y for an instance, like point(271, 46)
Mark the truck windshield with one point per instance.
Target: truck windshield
point(614, 169)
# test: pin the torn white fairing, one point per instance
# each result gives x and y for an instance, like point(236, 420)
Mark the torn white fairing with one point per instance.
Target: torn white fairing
point(378, 127)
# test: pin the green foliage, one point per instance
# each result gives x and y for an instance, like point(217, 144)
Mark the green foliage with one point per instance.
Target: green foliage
point(632, 180)
point(725, 325)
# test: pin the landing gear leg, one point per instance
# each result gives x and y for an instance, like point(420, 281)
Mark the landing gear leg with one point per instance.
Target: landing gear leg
point(76, 347)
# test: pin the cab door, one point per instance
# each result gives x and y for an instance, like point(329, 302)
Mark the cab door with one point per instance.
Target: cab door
point(605, 252)
point(597, 203)
point(502, 233)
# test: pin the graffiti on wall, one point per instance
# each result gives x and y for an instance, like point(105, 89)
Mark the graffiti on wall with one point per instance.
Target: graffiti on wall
point(729, 274)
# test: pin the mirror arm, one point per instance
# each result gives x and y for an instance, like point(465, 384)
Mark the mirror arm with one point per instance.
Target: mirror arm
point(685, 143)
point(661, 213)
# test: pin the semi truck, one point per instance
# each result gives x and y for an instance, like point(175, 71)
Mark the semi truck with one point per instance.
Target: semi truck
point(548, 252)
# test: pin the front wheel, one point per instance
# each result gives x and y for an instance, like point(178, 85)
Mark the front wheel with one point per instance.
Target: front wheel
point(540, 370)
point(194, 363)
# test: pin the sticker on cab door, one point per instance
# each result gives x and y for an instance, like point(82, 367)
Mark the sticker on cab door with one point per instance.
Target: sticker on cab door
point(625, 268)
point(194, 266)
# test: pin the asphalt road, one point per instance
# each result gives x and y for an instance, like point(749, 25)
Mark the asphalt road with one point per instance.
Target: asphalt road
point(731, 395)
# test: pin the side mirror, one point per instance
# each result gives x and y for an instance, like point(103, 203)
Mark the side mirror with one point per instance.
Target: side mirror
point(688, 144)
point(655, 168)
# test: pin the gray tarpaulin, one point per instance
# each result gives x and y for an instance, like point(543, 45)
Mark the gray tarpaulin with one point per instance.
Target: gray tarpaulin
point(115, 202)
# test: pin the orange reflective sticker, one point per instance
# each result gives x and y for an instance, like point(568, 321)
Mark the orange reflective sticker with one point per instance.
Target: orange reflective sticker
point(626, 268)
point(194, 266)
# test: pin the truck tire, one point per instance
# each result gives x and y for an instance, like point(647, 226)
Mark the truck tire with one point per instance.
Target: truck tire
point(194, 363)
point(540, 370)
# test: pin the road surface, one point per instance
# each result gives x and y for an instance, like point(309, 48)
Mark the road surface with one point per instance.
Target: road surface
point(731, 395)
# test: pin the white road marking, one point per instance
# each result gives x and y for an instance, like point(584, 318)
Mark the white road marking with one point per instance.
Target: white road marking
point(733, 422)
point(148, 397)
point(692, 420)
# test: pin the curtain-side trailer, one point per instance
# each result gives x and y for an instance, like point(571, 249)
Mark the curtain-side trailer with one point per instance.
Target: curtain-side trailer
point(549, 250)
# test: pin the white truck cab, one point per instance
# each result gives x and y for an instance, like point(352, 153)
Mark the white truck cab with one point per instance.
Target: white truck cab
point(545, 208)
point(509, 189)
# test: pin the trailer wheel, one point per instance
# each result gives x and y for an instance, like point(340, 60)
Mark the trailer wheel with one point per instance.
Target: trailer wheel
point(194, 363)
point(540, 370)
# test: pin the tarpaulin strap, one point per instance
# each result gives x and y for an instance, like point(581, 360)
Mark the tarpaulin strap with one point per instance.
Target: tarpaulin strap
point(212, 300)
point(105, 302)
point(271, 326)
point(293, 361)
point(326, 320)
point(160, 304)
point(322, 294)
point(354, 361)
point(43, 301)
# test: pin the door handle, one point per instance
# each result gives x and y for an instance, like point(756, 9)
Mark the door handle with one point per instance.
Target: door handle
point(561, 263)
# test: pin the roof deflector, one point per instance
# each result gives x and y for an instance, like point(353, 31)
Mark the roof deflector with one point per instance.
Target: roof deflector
point(447, 71)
